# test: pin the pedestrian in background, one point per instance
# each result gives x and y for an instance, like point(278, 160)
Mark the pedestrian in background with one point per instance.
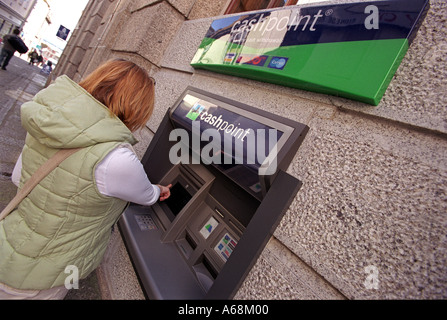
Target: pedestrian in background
point(8, 50)
point(39, 60)
point(33, 56)
point(47, 68)
point(66, 220)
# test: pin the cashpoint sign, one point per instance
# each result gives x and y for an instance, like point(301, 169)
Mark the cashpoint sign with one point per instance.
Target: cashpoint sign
point(350, 50)
point(225, 203)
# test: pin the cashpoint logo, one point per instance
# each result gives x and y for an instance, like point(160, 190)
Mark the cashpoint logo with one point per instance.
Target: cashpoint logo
point(217, 121)
point(195, 111)
point(268, 23)
point(229, 144)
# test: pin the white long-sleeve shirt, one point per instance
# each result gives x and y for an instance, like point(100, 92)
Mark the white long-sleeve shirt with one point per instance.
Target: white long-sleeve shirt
point(120, 174)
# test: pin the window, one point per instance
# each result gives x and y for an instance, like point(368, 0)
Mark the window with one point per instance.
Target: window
point(237, 6)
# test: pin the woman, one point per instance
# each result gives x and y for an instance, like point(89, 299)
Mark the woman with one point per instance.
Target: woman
point(66, 219)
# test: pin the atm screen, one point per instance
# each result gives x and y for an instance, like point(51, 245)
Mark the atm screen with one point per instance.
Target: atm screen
point(178, 199)
point(241, 143)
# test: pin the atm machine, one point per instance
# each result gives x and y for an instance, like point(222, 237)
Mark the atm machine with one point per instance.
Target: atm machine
point(227, 164)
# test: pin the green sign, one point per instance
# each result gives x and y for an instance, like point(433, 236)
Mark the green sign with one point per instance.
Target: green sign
point(350, 50)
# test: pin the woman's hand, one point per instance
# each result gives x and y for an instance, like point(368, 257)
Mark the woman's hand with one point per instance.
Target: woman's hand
point(165, 191)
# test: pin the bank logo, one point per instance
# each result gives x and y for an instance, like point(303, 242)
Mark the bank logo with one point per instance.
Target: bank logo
point(229, 57)
point(278, 62)
point(195, 111)
point(257, 61)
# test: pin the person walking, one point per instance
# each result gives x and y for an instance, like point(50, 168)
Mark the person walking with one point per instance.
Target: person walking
point(33, 56)
point(47, 68)
point(8, 50)
point(66, 220)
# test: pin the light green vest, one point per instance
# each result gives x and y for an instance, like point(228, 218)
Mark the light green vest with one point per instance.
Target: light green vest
point(64, 221)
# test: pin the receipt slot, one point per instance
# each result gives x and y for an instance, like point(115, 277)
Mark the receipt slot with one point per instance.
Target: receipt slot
point(226, 162)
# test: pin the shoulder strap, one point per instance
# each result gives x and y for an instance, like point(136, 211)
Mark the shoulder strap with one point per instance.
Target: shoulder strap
point(41, 173)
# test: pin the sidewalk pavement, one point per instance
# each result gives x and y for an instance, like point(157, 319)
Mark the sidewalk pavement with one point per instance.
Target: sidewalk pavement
point(18, 84)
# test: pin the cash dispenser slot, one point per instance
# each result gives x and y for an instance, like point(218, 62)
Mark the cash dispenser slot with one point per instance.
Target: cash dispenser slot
point(201, 242)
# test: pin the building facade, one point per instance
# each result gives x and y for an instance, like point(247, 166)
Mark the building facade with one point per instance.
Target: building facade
point(14, 14)
point(370, 221)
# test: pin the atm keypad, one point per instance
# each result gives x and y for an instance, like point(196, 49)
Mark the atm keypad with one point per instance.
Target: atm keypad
point(145, 222)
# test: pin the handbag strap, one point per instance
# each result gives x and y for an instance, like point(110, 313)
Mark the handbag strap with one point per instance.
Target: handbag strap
point(40, 173)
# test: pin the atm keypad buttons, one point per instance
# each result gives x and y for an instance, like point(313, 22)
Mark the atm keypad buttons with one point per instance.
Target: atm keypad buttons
point(145, 222)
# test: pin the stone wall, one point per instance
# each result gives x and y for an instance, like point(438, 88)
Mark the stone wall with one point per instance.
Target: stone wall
point(374, 177)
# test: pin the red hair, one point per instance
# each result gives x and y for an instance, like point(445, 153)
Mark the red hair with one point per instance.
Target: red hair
point(125, 89)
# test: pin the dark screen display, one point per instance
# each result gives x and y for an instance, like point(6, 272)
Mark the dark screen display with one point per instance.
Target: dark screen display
point(178, 199)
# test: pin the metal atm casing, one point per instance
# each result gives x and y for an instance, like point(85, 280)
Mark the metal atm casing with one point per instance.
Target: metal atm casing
point(202, 241)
